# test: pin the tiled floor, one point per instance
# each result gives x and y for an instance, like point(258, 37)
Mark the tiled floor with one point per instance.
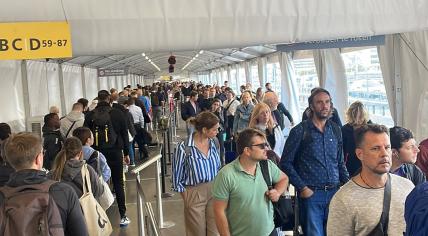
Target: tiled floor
point(172, 207)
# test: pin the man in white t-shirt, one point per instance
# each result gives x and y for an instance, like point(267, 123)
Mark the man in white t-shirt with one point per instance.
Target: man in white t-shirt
point(356, 208)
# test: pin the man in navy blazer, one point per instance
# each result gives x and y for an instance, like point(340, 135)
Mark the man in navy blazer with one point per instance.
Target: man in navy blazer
point(190, 109)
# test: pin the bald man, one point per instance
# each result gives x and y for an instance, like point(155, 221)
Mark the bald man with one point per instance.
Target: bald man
point(278, 109)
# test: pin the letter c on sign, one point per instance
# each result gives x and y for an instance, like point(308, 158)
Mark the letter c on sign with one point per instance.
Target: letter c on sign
point(15, 46)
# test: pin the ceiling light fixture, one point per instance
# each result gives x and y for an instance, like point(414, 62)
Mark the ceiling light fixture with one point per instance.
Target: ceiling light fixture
point(191, 60)
point(150, 61)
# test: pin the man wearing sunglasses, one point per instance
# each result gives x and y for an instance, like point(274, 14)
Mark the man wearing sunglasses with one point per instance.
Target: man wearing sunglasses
point(242, 200)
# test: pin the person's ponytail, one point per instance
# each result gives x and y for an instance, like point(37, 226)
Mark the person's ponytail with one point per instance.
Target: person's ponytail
point(59, 164)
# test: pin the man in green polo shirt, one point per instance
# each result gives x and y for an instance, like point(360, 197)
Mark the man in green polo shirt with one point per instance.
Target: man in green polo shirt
point(242, 201)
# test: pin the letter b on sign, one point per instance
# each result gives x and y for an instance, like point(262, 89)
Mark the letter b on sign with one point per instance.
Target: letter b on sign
point(3, 45)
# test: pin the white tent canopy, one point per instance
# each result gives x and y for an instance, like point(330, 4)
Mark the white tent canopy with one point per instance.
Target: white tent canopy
point(105, 27)
point(114, 34)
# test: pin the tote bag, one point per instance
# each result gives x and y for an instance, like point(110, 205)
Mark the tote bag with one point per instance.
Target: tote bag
point(96, 218)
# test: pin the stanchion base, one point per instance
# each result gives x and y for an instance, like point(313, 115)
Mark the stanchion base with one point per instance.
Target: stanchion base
point(167, 195)
point(167, 224)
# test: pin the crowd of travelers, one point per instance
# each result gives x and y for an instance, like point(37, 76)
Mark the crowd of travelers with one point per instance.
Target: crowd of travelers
point(233, 170)
point(350, 179)
point(59, 184)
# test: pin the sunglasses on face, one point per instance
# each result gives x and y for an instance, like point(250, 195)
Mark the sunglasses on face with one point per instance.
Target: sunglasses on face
point(261, 145)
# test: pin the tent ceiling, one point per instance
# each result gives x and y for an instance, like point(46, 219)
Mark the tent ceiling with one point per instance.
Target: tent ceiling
point(138, 64)
point(122, 30)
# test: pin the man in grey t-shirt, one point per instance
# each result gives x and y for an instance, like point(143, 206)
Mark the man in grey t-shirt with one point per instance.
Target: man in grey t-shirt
point(356, 208)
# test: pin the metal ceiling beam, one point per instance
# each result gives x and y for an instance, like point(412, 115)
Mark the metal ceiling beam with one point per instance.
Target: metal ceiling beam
point(94, 60)
point(134, 62)
point(250, 52)
point(123, 60)
point(112, 60)
point(229, 54)
point(67, 60)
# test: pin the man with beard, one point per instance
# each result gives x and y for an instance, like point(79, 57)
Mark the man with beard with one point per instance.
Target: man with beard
point(357, 207)
point(313, 160)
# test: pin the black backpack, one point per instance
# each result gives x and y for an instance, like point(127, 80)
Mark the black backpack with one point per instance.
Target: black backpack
point(104, 134)
point(94, 162)
point(154, 99)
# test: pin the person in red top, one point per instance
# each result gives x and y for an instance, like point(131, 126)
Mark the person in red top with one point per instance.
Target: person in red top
point(422, 160)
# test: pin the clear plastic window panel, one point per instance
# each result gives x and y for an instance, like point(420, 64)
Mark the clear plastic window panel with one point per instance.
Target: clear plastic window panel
point(255, 76)
point(273, 76)
point(365, 84)
point(307, 79)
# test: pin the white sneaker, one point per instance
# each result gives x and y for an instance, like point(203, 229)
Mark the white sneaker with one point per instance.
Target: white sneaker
point(124, 221)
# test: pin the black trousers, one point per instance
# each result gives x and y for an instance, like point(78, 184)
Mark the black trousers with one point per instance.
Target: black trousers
point(139, 139)
point(115, 162)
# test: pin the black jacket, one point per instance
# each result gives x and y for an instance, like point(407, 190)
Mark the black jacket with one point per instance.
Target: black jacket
point(129, 118)
point(205, 104)
point(414, 174)
point(221, 96)
point(52, 144)
point(279, 115)
point(72, 175)
point(353, 164)
point(118, 120)
point(186, 91)
point(140, 104)
point(63, 195)
point(188, 111)
point(5, 171)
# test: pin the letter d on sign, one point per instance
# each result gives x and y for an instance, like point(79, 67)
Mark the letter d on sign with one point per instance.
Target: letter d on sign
point(34, 44)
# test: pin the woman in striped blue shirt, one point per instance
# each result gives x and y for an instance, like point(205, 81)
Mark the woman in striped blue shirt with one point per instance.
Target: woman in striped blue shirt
point(195, 164)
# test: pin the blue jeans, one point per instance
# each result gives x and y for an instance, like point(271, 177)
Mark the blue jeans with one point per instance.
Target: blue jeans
point(313, 212)
point(131, 153)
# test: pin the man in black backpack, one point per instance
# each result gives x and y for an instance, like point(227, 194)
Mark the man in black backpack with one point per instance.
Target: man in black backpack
point(37, 196)
point(157, 100)
point(313, 159)
point(109, 126)
point(52, 139)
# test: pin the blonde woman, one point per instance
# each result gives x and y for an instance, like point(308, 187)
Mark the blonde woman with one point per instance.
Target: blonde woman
point(356, 116)
point(243, 113)
point(262, 119)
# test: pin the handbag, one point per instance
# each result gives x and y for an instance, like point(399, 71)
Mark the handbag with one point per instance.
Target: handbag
point(106, 199)
point(381, 228)
point(147, 137)
point(283, 215)
point(97, 221)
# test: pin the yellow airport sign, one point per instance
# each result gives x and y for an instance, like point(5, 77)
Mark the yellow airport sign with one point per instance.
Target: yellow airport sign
point(35, 40)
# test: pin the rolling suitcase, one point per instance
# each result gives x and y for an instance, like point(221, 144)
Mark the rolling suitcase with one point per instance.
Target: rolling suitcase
point(230, 154)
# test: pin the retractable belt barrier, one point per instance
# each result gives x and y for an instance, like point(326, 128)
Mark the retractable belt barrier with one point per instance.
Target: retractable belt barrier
point(143, 206)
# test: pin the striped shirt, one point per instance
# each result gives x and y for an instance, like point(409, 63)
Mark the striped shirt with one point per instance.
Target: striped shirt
point(193, 168)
